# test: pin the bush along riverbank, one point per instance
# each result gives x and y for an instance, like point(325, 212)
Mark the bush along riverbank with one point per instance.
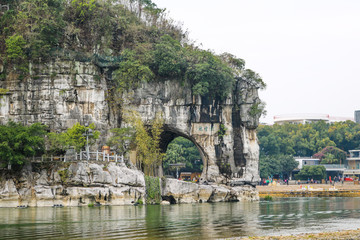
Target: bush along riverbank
point(84, 183)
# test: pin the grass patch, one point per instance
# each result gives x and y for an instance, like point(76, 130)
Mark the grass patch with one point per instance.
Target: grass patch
point(268, 198)
point(153, 192)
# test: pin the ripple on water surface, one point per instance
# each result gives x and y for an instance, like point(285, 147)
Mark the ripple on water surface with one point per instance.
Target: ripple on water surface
point(200, 221)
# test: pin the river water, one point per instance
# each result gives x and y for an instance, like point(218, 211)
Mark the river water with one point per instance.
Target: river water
point(187, 221)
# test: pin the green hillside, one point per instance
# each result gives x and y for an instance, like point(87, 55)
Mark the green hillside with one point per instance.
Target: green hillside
point(137, 40)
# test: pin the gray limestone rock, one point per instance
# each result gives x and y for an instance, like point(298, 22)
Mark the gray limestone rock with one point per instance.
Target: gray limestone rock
point(42, 179)
point(187, 192)
point(246, 193)
point(182, 192)
point(80, 174)
point(60, 93)
point(84, 183)
point(219, 194)
point(126, 176)
point(204, 193)
point(232, 154)
point(99, 175)
point(8, 190)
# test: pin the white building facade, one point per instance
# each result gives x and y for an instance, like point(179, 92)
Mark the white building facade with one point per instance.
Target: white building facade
point(308, 118)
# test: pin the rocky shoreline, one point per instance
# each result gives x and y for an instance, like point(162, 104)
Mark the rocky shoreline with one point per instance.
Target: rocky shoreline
point(83, 183)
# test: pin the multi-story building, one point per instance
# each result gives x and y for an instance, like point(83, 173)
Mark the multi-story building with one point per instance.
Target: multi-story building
point(306, 161)
point(353, 163)
point(351, 167)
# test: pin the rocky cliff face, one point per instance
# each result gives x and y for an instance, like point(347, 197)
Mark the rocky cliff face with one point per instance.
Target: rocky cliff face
point(61, 93)
point(74, 184)
point(78, 184)
point(233, 153)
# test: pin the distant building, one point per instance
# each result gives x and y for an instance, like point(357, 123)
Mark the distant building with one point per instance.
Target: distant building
point(303, 161)
point(306, 161)
point(357, 116)
point(351, 167)
point(309, 118)
point(189, 176)
point(353, 162)
point(331, 169)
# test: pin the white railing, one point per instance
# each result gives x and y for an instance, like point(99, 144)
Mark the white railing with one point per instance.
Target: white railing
point(82, 156)
point(98, 156)
point(334, 166)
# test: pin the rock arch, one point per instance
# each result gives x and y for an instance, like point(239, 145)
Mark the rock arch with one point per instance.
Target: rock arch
point(78, 92)
point(232, 156)
point(168, 136)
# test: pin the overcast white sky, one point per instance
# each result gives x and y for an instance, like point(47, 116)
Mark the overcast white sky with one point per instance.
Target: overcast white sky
point(307, 51)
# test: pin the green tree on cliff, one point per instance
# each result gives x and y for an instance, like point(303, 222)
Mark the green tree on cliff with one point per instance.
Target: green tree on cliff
point(151, 47)
point(147, 141)
point(73, 137)
point(15, 48)
point(17, 142)
point(121, 139)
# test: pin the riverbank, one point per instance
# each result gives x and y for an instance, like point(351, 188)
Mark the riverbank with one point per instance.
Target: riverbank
point(348, 234)
point(73, 184)
point(347, 189)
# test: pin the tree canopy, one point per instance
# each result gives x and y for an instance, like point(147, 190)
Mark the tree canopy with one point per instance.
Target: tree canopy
point(147, 142)
point(151, 46)
point(331, 155)
point(326, 141)
point(308, 139)
point(18, 142)
point(182, 150)
point(276, 165)
point(73, 137)
point(121, 139)
point(316, 172)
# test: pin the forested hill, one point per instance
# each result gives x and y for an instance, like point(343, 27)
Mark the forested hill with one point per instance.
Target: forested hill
point(328, 142)
point(135, 37)
point(308, 139)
